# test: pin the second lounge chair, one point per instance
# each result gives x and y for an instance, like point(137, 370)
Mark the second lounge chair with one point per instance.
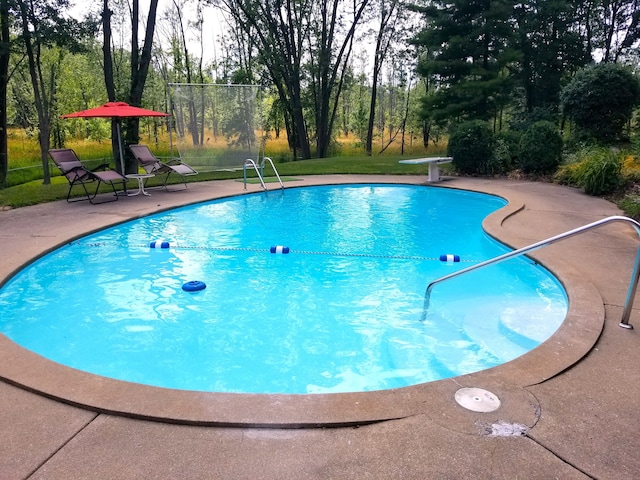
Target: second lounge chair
point(151, 164)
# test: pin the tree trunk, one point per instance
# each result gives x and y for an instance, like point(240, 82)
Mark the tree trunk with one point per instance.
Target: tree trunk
point(426, 131)
point(290, 33)
point(300, 136)
point(32, 47)
point(109, 81)
point(106, 52)
point(382, 46)
point(193, 111)
point(5, 42)
point(140, 61)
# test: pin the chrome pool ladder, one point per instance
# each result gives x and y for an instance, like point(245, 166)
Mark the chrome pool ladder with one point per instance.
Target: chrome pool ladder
point(633, 284)
point(260, 171)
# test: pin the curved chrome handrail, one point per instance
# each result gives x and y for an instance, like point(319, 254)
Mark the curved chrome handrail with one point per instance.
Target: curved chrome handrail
point(633, 284)
point(265, 159)
point(248, 161)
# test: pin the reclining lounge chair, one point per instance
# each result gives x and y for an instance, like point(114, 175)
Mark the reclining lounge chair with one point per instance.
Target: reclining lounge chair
point(77, 174)
point(150, 163)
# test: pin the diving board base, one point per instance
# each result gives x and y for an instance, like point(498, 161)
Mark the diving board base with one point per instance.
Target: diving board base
point(434, 165)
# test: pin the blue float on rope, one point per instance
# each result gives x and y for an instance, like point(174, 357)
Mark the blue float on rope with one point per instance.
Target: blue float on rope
point(449, 258)
point(279, 249)
point(194, 286)
point(159, 244)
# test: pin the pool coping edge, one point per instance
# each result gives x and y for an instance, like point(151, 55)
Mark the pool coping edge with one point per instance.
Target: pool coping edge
point(577, 335)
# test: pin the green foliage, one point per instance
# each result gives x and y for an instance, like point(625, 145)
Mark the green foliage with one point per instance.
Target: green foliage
point(552, 47)
point(471, 146)
point(540, 148)
point(24, 175)
point(520, 121)
point(81, 82)
point(600, 100)
point(471, 44)
point(506, 150)
point(597, 170)
point(601, 175)
point(567, 174)
point(630, 205)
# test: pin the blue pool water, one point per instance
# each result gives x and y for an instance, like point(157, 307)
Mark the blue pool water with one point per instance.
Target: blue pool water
point(343, 311)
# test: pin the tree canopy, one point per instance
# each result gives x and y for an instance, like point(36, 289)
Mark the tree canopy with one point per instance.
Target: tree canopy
point(471, 49)
point(329, 67)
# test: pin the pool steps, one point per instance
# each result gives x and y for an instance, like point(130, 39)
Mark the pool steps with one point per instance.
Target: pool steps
point(260, 171)
point(633, 284)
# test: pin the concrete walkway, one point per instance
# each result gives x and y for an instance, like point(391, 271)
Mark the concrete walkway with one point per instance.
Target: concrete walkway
point(570, 409)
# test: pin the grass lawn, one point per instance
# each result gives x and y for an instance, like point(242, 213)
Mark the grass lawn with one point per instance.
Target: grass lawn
point(35, 192)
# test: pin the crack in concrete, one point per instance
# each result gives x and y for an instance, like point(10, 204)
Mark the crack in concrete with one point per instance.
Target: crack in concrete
point(62, 445)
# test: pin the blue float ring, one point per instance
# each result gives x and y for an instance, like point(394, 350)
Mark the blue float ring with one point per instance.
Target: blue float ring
point(194, 286)
point(449, 258)
point(279, 249)
point(159, 244)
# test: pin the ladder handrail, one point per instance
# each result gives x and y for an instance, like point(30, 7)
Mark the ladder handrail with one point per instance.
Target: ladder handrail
point(543, 243)
point(249, 161)
point(265, 159)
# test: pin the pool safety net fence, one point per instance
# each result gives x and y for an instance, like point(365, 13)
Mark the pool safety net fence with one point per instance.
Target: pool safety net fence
point(216, 127)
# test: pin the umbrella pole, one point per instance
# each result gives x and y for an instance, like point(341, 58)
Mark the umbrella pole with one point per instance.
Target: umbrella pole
point(122, 170)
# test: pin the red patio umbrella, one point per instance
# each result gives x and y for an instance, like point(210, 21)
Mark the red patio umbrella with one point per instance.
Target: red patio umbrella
point(117, 110)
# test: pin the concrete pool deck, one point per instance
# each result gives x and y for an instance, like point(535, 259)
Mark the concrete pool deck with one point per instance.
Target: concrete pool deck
point(569, 409)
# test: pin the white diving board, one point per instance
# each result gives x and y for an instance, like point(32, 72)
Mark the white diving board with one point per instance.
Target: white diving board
point(434, 162)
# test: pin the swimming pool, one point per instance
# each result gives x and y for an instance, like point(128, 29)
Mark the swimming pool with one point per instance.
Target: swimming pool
point(368, 271)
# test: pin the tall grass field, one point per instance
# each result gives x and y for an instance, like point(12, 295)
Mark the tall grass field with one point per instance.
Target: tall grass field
point(25, 186)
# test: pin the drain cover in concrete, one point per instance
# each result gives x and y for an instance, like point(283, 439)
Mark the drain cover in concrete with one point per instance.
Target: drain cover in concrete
point(477, 400)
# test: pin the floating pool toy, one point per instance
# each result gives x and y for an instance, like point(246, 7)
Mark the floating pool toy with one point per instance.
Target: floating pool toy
point(194, 286)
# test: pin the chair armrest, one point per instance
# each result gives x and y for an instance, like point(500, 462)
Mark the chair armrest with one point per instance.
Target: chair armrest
point(104, 166)
point(75, 170)
point(78, 173)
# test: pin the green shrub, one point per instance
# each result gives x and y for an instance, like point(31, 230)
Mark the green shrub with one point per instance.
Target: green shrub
point(630, 205)
point(597, 170)
point(567, 174)
point(506, 150)
point(601, 172)
point(630, 167)
point(600, 100)
point(501, 161)
point(540, 148)
point(471, 146)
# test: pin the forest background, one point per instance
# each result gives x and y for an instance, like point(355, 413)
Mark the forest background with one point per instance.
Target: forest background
point(368, 77)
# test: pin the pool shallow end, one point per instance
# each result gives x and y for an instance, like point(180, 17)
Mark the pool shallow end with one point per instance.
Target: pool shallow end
point(507, 381)
point(573, 340)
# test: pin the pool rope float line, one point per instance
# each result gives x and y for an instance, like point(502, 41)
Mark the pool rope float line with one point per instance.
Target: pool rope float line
point(279, 249)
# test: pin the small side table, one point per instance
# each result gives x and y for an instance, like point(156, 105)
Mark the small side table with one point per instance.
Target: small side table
point(141, 177)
